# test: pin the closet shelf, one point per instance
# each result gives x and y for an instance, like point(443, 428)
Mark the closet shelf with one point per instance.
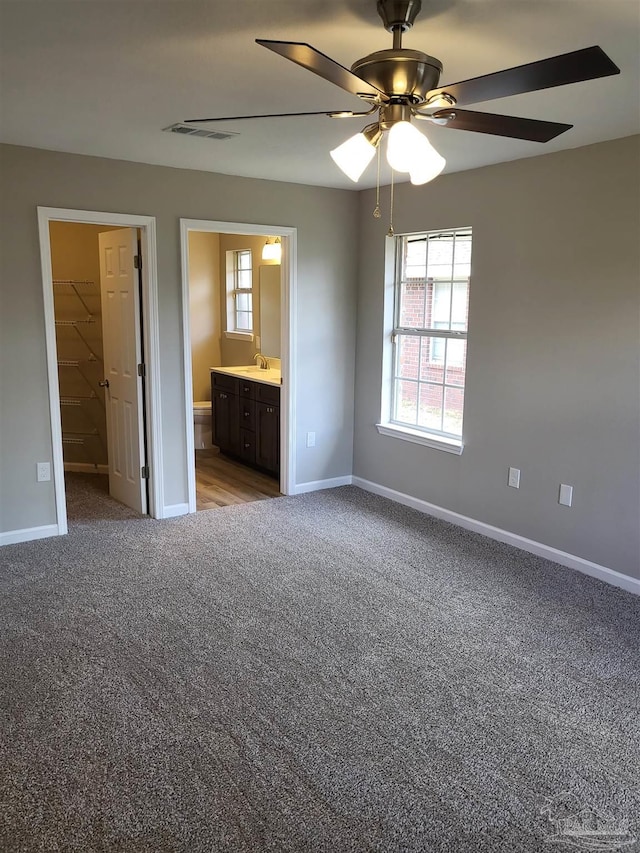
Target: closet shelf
point(77, 400)
point(76, 362)
point(75, 322)
point(78, 316)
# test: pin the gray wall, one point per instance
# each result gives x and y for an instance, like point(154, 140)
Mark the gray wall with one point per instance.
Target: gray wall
point(553, 359)
point(327, 232)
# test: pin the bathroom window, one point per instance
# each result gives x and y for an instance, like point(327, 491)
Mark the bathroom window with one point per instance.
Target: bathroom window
point(240, 292)
point(427, 344)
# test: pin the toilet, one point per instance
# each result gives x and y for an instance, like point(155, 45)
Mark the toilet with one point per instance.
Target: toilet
point(202, 425)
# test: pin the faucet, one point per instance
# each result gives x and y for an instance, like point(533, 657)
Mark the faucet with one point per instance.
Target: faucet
point(264, 361)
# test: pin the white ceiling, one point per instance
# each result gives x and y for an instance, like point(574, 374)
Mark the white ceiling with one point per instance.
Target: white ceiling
point(103, 77)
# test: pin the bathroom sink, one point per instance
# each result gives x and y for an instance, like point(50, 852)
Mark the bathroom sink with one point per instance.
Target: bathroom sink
point(271, 376)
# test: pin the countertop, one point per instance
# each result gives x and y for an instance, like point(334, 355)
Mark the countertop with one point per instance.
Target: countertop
point(272, 376)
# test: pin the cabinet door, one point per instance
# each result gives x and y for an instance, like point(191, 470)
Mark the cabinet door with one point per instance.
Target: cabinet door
point(268, 437)
point(225, 421)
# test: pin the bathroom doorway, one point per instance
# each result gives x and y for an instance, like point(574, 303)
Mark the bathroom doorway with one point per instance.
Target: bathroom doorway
point(97, 350)
point(237, 299)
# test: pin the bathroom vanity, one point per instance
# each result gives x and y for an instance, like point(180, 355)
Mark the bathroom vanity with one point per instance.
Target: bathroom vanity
point(246, 415)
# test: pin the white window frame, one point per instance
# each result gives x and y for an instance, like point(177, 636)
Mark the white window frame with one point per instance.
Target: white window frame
point(233, 290)
point(438, 439)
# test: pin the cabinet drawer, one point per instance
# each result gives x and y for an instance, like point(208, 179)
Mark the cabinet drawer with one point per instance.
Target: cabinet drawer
point(248, 445)
point(268, 394)
point(247, 414)
point(247, 389)
point(224, 383)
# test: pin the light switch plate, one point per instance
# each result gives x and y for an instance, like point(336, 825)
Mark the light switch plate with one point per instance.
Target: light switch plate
point(43, 472)
point(566, 495)
point(514, 478)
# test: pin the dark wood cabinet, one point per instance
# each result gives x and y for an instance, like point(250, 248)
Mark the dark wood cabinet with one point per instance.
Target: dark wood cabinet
point(268, 436)
point(246, 421)
point(225, 422)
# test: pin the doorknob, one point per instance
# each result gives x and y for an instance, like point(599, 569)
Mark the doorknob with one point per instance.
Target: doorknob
point(103, 383)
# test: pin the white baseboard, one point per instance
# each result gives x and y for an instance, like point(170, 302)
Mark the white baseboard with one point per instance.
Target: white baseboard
point(85, 468)
point(11, 537)
point(317, 485)
point(173, 510)
point(594, 570)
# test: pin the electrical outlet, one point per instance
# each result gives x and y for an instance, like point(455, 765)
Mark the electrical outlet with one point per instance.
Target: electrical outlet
point(514, 478)
point(566, 495)
point(311, 439)
point(43, 472)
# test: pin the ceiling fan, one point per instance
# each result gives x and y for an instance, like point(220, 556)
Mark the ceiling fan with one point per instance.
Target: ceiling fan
point(401, 84)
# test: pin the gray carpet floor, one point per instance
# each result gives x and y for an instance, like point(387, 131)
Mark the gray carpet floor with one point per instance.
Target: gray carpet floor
point(327, 672)
point(88, 499)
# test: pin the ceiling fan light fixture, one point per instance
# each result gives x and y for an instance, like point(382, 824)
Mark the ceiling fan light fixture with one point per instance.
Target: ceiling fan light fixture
point(354, 155)
point(404, 146)
point(427, 169)
point(272, 251)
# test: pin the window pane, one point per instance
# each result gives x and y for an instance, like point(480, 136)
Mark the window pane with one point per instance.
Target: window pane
point(453, 400)
point(460, 306)
point(441, 305)
point(244, 260)
point(456, 358)
point(430, 411)
point(432, 359)
point(440, 257)
point(462, 256)
point(244, 279)
point(406, 402)
point(408, 356)
point(243, 301)
point(243, 321)
point(415, 259)
point(412, 295)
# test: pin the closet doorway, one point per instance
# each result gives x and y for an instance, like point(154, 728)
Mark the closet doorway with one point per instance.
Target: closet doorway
point(99, 390)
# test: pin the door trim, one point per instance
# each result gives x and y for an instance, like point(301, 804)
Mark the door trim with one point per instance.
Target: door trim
point(150, 325)
point(288, 289)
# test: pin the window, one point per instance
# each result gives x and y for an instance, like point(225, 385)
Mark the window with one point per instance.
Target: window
point(239, 292)
point(429, 337)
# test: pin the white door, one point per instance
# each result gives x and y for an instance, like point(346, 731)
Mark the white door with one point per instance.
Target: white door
point(122, 354)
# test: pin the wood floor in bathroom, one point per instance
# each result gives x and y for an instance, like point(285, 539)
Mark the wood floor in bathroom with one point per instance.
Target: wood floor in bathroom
point(222, 482)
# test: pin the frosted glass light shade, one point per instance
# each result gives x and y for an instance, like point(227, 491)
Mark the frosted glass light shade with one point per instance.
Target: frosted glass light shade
point(408, 150)
point(272, 251)
point(428, 168)
point(354, 155)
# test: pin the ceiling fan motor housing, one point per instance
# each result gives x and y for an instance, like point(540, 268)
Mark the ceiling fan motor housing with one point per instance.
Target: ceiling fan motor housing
point(398, 14)
point(400, 73)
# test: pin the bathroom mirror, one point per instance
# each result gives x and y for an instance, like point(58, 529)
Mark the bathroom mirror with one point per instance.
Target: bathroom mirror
point(270, 310)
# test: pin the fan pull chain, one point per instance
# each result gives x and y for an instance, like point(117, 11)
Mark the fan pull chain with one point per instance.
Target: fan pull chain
point(391, 232)
point(377, 213)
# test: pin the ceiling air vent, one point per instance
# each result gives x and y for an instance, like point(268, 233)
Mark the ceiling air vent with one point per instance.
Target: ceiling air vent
point(188, 130)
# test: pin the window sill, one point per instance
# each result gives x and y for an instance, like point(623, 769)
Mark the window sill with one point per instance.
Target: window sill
point(239, 336)
point(449, 445)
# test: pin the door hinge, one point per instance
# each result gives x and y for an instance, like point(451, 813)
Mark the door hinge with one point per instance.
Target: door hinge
point(137, 261)
point(144, 472)
point(142, 370)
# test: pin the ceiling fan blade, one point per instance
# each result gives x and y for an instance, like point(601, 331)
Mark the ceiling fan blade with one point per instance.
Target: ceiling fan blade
point(516, 128)
point(311, 59)
point(586, 64)
point(341, 113)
